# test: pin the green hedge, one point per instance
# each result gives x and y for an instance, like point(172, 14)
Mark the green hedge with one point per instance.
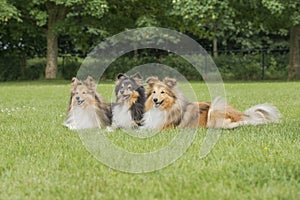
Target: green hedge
point(249, 66)
point(9, 68)
point(69, 67)
point(231, 66)
point(35, 68)
point(125, 63)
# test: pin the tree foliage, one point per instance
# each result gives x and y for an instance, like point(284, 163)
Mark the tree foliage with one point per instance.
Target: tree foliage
point(281, 17)
point(53, 16)
point(208, 19)
point(53, 28)
point(8, 12)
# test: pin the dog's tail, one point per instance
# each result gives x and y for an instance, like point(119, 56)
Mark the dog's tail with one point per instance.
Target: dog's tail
point(261, 114)
point(221, 115)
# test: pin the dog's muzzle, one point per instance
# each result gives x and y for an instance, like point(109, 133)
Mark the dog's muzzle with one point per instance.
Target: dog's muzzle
point(125, 97)
point(79, 102)
point(157, 103)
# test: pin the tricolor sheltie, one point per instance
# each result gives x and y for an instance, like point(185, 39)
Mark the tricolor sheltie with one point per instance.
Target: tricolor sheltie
point(87, 109)
point(166, 107)
point(130, 97)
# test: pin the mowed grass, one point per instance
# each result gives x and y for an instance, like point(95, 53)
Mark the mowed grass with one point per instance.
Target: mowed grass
point(41, 159)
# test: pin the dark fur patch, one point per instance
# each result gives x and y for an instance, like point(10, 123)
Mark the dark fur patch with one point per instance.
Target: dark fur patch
point(129, 90)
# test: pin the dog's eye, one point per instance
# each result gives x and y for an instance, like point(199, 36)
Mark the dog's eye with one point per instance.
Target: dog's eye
point(154, 92)
point(162, 92)
point(83, 92)
point(76, 92)
point(129, 87)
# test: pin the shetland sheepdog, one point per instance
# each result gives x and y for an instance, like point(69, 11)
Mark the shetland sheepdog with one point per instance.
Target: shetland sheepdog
point(87, 109)
point(130, 101)
point(166, 107)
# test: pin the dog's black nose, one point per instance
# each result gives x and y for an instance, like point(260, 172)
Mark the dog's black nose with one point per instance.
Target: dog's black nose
point(77, 98)
point(122, 91)
point(155, 100)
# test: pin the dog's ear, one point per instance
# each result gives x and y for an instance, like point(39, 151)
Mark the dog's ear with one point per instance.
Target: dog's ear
point(170, 82)
point(120, 76)
point(74, 82)
point(152, 80)
point(89, 82)
point(137, 78)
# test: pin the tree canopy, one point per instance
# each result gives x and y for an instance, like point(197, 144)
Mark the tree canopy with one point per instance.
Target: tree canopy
point(53, 28)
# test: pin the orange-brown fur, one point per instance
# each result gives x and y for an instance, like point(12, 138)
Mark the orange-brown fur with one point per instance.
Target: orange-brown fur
point(163, 95)
point(168, 99)
point(223, 118)
point(203, 109)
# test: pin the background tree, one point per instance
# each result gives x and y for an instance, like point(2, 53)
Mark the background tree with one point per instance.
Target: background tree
point(8, 11)
point(49, 15)
point(129, 14)
point(275, 17)
point(208, 19)
point(23, 41)
point(19, 37)
point(287, 15)
point(52, 28)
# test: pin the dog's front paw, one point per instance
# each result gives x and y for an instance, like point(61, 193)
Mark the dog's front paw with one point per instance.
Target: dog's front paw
point(109, 129)
point(70, 126)
point(134, 126)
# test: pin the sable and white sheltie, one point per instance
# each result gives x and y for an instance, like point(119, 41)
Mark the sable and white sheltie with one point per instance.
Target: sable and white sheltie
point(166, 107)
point(130, 97)
point(87, 109)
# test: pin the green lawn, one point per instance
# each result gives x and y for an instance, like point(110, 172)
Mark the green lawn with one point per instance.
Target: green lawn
point(41, 159)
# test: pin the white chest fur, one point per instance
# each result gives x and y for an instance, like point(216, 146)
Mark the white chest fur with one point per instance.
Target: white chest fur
point(83, 119)
point(154, 119)
point(122, 117)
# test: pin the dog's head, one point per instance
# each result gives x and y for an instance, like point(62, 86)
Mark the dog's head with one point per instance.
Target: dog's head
point(127, 86)
point(161, 94)
point(82, 92)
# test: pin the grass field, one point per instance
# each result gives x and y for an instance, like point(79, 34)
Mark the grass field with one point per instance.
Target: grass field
point(41, 159)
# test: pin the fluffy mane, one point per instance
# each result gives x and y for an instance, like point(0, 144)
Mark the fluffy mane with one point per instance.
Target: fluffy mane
point(87, 109)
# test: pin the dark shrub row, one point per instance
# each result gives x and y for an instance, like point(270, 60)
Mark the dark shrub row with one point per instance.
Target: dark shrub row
point(231, 66)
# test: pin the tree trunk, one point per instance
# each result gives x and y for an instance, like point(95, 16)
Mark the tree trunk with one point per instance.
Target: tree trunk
point(294, 60)
point(215, 40)
point(215, 47)
point(56, 13)
point(52, 54)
